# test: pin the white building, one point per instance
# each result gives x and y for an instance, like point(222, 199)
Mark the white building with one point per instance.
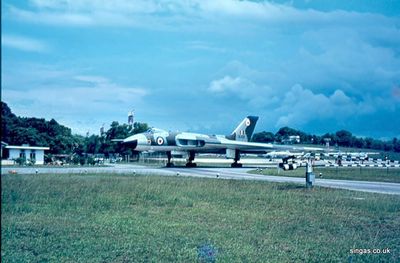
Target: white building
point(292, 139)
point(29, 153)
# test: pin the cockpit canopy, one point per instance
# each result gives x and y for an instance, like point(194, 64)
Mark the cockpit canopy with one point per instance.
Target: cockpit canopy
point(155, 130)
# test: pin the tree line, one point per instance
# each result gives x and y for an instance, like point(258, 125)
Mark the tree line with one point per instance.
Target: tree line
point(341, 138)
point(39, 132)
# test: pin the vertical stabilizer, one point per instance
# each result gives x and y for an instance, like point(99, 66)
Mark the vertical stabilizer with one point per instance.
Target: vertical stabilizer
point(244, 130)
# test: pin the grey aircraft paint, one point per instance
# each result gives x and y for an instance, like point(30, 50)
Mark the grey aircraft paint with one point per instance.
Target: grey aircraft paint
point(232, 145)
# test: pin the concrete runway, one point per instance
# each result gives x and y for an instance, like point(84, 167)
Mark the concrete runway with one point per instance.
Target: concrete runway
point(220, 173)
point(241, 174)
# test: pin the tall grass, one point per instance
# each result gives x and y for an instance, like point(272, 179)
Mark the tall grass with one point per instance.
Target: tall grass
point(117, 218)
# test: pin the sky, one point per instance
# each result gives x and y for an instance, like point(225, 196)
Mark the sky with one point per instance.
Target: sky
point(204, 65)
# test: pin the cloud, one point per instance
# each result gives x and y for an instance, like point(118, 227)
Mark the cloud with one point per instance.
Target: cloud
point(96, 13)
point(324, 105)
point(272, 59)
point(244, 89)
point(171, 14)
point(227, 83)
point(71, 100)
point(79, 100)
point(346, 56)
point(87, 5)
point(301, 106)
point(396, 93)
point(204, 46)
point(23, 43)
point(81, 109)
point(92, 79)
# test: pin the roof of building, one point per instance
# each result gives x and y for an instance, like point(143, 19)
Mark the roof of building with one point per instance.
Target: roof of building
point(27, 147)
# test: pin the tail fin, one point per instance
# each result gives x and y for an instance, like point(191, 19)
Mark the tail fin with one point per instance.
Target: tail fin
point(245, 130)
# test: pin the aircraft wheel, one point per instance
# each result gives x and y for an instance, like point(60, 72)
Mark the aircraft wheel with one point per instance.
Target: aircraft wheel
point(170, 165)
point(236, 165)
point(191, 165)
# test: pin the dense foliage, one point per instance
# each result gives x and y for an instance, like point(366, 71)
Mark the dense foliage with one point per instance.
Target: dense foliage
point(39, 132)
point(341, 138)
point(33, 131)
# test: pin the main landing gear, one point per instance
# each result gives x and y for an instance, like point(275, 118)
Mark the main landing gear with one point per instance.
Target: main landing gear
point(235, 163)
point(169, 156)
point(190, 162)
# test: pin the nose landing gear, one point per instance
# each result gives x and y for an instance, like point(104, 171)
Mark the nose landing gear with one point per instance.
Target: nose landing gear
point(169, 157)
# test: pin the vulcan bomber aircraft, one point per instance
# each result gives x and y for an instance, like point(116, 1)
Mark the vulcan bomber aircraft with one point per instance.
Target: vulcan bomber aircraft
point(232, 145)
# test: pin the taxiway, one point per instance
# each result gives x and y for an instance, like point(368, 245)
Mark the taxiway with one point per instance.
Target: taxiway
point(217, 173)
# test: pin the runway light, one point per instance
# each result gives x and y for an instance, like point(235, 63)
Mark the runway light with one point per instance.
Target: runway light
point(177, 173)
point(217, 175)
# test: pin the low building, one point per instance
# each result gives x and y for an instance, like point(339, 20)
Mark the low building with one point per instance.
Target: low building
point(34, 154)
point(3, 146)
point(291, 139)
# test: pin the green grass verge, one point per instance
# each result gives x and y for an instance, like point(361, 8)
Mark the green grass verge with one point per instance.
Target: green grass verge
point(122, 218)
point(341, 173)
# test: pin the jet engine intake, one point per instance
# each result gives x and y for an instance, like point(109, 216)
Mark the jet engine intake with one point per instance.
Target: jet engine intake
point(190, 143)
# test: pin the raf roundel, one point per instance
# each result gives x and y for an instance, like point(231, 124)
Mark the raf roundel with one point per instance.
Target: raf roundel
point(247, 122)
point(160, 141)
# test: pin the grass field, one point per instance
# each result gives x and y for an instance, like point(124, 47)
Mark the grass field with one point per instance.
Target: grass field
point(125, 218)
point(341, 173)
